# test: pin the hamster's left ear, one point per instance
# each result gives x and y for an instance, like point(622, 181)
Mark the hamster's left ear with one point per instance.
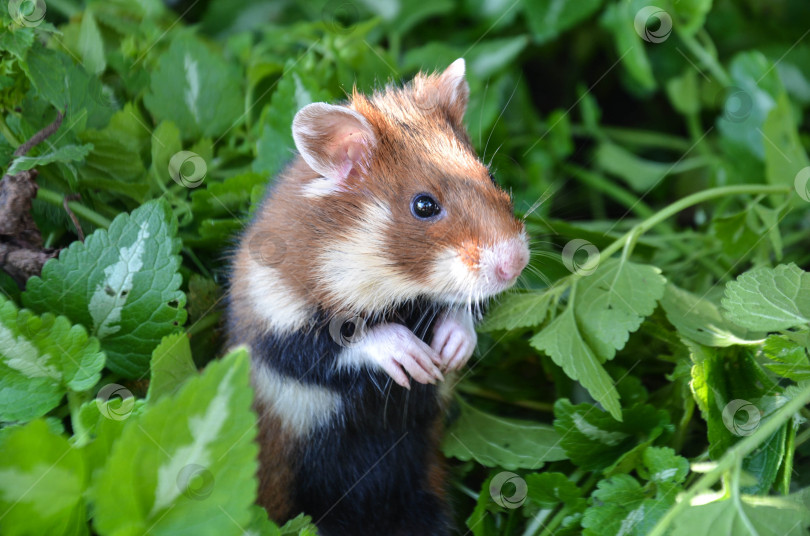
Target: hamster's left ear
point(453, 90)
point(333, 140)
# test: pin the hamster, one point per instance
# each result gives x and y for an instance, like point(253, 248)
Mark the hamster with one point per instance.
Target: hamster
point(356, 289)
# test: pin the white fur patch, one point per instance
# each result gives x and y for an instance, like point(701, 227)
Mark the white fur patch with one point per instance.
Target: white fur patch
point(357, 269)
point(300, 407)
point(273, 300)
point(320, 187)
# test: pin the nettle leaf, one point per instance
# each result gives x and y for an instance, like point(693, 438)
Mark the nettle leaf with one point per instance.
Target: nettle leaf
point(764, 516)
point(189, 460)
point(603, 309)
point(122, 284)
point(622, 507)
point(699, 319)
point(501, 442)
point(67, 153)
point(769, 299)
point(194, 87)
point(517, 310)
point(171, 365)
point(42, 483)
point(41, 358)
point(595, 441)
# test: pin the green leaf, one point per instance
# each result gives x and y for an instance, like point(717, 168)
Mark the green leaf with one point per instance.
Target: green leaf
point(618, 18)
point(17, 40)
point(784, 154)
point(683, 92)
point(42, 483)
point(622, 507)
point(769, 299)
point(121, 284)
point(195, 88)
point(737, 233)
point(792, 360)
point(699, 319)
point(691, 14)
point(517, 310)
point(548, 18)
point(91, 45)
point(171, 365)
point(662, 465)
point(189, 459)
point(67, 153)
point(767, 516)
point(547, 490)
point(593, 440)
point(228, 198)
point(41, 358)
point(501, 442)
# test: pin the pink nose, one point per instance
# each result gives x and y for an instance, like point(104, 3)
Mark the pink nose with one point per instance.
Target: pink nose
point(511, 263)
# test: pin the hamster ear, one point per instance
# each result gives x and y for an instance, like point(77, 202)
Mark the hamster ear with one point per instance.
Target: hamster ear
point(333, 140)
point(454, 92)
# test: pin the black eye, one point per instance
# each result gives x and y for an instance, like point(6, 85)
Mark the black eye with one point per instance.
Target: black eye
point(425, 207)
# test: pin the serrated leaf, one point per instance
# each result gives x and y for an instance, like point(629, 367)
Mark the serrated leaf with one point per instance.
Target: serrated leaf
point(517, 311)
point(41, 358)
point(230, 197)
point(195, 88)
point(769, 299)
point(121, 284)
point(501, 442)
point(792, 359)
point(662, 465)
point(190, 460)
point(42, 483)
point(699, 319)
point(171, 365)
point(593, 440)
point(622, 507)
point(67, 153)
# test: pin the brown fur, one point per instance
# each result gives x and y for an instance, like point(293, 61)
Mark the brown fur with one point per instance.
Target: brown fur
point(276, 478)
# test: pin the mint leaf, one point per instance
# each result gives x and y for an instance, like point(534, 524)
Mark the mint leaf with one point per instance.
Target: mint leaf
point(121, 284)
point(518, 310)
point(594, 441)
point(769, 299)
point(42, 483)
point(500, 442)
point(41, 358)
point(171, 365)
point(189, 459)
point(195, 88)
point(699, 319)
point(67, 153)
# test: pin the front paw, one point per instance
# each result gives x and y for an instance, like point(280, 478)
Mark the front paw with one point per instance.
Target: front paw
point(395, 349)
point(454, 339)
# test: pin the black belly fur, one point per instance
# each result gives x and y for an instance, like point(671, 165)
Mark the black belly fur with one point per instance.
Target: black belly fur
point(367, 471)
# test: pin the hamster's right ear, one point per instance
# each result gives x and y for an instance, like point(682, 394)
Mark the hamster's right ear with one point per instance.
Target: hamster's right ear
point(333, 140)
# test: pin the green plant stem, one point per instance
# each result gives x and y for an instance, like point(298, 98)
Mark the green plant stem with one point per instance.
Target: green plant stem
point(687, 202)
point(473, 389)
point(49, 196)
point(709, 61)
point(10, 137)
point(732, 458)
point(802, 437)
point(204, 323)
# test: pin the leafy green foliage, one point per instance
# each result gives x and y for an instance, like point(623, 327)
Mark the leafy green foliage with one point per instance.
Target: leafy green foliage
point(670, 135)
point(121, 284)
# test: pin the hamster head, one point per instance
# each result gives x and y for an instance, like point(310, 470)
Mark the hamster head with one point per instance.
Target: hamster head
point(399, 206)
